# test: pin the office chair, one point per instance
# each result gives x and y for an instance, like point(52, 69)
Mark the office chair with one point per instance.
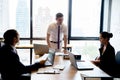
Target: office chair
point(118, 57)
point(0, 73)
point(0, 44)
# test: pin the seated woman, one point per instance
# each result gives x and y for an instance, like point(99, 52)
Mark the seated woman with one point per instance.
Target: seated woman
point(106, 61)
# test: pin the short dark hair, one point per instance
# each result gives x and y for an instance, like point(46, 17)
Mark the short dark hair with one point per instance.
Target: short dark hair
point(59, 15)
point(106, 35)
point(9, 35)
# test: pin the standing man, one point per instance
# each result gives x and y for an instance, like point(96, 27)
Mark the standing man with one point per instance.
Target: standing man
point(55, 32)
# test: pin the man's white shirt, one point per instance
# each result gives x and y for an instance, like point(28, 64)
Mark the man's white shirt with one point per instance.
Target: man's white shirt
point(53, 31)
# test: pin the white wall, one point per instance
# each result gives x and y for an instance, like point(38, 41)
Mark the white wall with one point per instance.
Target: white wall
point(115, 24)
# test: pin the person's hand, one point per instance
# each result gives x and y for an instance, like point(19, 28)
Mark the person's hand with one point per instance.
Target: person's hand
point(93, 61)
point(96, 62)
point(97, 58)
point(42, 62)
point(65, 51)
point(49, 45)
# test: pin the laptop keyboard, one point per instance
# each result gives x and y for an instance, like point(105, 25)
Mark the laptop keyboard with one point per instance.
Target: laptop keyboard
point(84, 65)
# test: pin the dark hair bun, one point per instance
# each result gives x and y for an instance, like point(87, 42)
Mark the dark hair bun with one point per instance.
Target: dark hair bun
point(110, 35)
point(106, 35)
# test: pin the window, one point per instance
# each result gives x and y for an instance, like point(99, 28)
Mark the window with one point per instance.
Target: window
point(14, 14)
point(88, 49)
point(24, 54)
point(85, 18)
point(85, 21)
point(44, 12)
point(115, 24)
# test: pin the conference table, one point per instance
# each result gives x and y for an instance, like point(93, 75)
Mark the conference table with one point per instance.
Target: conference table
point(70, 72)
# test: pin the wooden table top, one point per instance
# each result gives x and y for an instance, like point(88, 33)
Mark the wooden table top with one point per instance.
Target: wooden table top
point(69, 72)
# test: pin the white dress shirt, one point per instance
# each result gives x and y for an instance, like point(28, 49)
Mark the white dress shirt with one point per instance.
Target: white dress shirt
point(53, 31)
point(14, 49)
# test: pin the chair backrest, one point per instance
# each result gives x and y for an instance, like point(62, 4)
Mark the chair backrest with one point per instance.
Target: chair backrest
point(41, 49)
point(0, 44)
point(118, 57)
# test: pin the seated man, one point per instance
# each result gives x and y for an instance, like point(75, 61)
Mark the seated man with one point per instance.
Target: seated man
point(10, 66)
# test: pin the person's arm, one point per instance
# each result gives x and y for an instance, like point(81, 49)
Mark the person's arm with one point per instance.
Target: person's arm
point(27, 69)
point(15, 66)
point(65, 42)
point(96, 62)
point(35, 66)
point(48, 40)
point(65, 32)
point(48, 36)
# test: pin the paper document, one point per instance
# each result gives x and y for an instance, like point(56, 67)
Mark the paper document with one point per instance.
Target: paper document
point(59, 66)
point(48, 71)
point(44, 57)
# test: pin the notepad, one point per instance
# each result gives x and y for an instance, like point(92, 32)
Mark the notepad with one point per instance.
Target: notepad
point(59, 66)
point(48, 71)
point(44, 57)
point(59, 53)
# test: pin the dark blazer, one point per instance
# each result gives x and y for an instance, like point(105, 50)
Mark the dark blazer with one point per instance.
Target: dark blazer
point(107, 59)
point(10, 66)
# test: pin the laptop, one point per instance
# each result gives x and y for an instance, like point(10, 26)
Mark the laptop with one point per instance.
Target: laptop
point(41, 49)
point(49, 57)
point(80, 65)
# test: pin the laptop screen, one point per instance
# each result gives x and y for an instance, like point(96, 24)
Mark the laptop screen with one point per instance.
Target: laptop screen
point(72, 59)
point(50, 59)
